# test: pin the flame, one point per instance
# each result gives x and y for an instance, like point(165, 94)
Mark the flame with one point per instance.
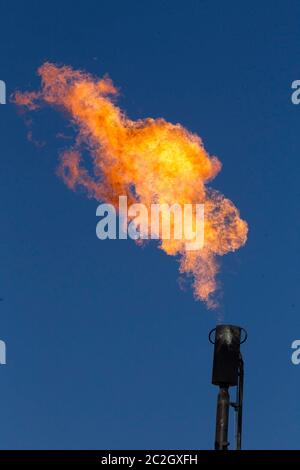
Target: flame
point(149, 160)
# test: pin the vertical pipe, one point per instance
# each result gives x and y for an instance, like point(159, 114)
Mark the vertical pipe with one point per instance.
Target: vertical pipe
point(221, 439)
point(240, 406)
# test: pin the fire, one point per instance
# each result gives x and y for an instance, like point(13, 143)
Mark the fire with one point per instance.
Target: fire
point(149, 160)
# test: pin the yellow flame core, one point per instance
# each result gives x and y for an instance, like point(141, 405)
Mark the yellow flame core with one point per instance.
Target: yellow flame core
point(149, 160)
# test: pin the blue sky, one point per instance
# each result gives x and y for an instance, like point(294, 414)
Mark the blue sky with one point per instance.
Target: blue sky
point(104, 350)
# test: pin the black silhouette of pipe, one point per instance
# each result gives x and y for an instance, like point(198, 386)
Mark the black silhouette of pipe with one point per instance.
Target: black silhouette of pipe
point(228, 371)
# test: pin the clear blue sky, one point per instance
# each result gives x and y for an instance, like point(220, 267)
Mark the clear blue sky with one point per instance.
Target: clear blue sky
point(104, 349)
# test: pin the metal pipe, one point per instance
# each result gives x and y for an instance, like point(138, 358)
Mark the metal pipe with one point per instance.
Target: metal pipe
point(240, 392)
point(228, 371)
point(221, 439)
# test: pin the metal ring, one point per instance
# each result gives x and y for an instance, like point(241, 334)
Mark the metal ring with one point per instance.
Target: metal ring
point(246, 336)
point(241, 342)
point(209, 336)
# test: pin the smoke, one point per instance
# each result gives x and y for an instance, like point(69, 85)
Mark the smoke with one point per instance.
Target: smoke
point(149, 160)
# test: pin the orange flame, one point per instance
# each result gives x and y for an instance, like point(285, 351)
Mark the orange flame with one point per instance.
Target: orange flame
point(149, 160)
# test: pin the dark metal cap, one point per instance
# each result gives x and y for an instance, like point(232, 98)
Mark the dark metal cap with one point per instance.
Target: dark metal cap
point(226, 354)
